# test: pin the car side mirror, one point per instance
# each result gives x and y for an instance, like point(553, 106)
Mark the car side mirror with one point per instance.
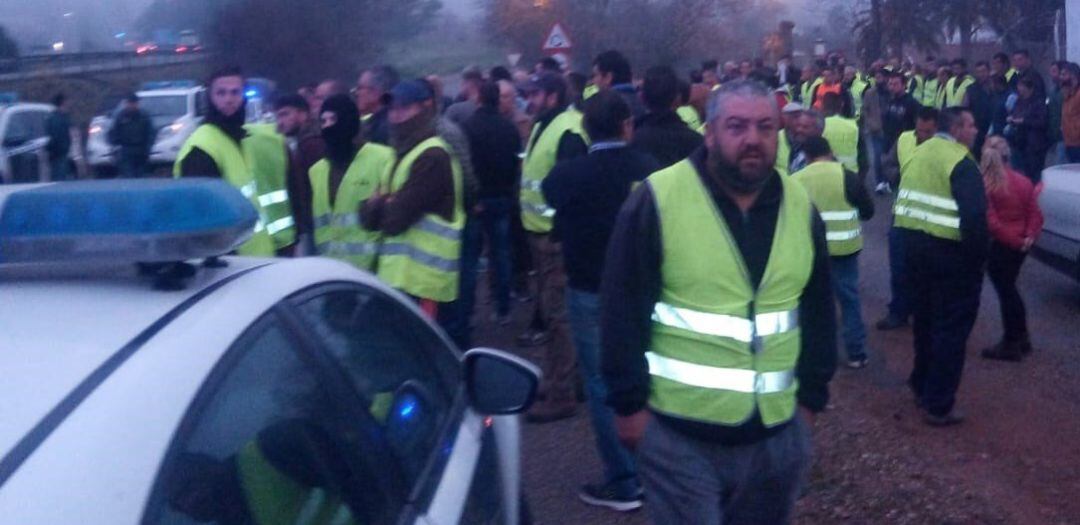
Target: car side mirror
point(498, 383)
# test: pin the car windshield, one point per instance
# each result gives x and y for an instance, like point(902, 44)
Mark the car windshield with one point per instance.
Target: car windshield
point(163, 110)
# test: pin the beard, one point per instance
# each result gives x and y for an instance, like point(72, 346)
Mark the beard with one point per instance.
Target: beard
point(746, 175)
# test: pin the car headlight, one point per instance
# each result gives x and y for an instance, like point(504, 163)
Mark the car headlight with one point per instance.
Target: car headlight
point(169, 131)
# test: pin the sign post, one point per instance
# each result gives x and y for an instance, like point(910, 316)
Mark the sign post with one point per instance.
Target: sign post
point(558, 44)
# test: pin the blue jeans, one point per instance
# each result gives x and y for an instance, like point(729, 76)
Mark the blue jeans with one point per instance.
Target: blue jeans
point(877, 149)
point(495, 220)
point(900, 306)
point(1072, 154)
point(845, 275)
point(619, 467)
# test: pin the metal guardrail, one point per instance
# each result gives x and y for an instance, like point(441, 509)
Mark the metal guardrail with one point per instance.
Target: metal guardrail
point(64, 64)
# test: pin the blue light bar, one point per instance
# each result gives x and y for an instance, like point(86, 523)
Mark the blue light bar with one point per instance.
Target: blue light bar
point(122, 221)
point(251, 93)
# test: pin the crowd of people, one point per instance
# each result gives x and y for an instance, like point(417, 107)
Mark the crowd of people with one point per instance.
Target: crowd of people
point(682, 243)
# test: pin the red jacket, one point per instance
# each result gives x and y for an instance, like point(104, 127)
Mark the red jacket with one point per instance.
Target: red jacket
point(1013, 213)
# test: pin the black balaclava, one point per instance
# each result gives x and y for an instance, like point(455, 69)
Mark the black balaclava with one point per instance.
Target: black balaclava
point(341, 138)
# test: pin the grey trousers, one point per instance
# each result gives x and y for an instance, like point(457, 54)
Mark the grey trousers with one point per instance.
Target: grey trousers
point(697, 482)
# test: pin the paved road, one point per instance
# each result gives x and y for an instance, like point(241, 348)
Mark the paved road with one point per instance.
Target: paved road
point(1021, 426)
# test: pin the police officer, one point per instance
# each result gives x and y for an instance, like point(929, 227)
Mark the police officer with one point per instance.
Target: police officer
point(941, 212)
point(421, 214)
point(352, 171)
point(718, 323)
point(222, 147)
point(556, 136)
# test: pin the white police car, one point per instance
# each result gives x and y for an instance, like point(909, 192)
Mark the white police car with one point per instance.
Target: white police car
point(262, 391)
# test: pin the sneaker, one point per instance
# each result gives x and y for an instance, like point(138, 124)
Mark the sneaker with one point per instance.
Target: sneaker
point(605, 496)
point(856, 364)
point(947, 420)
point(883, 188)
point(891, 322)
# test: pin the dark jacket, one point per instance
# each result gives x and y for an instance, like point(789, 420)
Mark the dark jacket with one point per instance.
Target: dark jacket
point(58, 129)
point(1030, 135)
point(377, 128)
point(429, 188)
point(631, 288)
point(133, 132)
point(898, 117)
point(666, 137)
point(630, 95)
point(586, 194)
point(495, 144)
point(305, 150)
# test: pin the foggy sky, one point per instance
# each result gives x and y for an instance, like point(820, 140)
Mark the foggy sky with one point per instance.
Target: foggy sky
point(37, 22)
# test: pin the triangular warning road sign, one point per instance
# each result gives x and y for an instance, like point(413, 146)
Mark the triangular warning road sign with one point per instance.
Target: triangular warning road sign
point(557, 39)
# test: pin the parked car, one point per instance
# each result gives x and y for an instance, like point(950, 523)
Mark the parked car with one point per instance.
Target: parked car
point(1059, 244)
point(22, 144)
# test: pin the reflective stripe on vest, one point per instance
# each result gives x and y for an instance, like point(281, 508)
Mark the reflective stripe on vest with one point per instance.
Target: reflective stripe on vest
point(729, 326)
point(733, 379)
point(274, 197)
point(420, 256)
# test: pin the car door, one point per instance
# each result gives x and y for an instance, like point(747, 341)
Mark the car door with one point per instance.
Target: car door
point(410, 379)
point(24, 141)
point(275, 437)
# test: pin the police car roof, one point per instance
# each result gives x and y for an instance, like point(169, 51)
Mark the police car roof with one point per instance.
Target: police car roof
point(59, 323)
point(168, 92)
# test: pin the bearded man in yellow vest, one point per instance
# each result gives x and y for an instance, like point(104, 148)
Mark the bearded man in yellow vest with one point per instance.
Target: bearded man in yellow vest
point(843, 203)
point(941, 212)
point(718, 323)
point(254, 162)
point(556, 136)
point(420, 212)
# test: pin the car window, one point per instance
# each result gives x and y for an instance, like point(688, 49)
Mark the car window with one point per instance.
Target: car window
point(270, 442)
point(24, 126)
point(200, 104)
point(404, 372)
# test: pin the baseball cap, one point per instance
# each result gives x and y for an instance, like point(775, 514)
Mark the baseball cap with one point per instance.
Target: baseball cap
point(793, 107)
point(546, 82)
point(410, 92)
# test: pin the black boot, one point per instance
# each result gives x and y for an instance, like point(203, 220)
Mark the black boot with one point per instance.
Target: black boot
point(1003, 351)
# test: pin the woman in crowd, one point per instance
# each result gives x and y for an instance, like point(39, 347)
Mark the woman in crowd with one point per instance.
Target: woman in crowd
point(1015, 221)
